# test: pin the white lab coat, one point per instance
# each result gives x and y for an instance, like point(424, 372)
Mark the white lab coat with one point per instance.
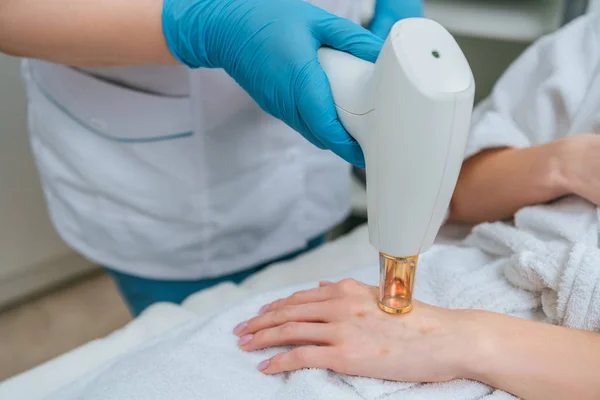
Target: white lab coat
point(190, 181)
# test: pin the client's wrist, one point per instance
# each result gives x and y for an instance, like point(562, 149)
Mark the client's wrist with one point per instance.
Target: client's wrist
point(562, 154)
point(459, 339)
point(554, 157)
point(477, 345)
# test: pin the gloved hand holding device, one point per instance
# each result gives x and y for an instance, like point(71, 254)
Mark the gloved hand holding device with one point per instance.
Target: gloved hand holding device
point(388, 12)
point(270, 48)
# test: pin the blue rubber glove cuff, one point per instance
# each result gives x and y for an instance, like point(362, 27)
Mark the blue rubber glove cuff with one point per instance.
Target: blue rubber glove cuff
point(388, 12)
point(184, 39)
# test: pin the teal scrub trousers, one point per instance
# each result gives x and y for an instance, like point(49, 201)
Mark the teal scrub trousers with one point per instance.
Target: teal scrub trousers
point(140, 293)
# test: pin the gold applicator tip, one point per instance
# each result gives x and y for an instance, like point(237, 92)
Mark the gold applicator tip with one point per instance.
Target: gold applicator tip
point(396, 283)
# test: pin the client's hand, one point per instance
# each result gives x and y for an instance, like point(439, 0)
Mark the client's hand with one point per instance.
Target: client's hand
point(580, 165)
point(339, 326)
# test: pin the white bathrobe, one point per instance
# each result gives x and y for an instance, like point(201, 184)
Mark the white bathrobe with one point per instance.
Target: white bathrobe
point(545, 265)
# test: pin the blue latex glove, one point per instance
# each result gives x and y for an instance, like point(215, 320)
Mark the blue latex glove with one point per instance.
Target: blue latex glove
point(388, 12)
point(270, 48)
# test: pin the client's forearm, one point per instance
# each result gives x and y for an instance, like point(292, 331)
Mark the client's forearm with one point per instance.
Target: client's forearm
point(494, 184)
point(84, 33)
point(534, 361)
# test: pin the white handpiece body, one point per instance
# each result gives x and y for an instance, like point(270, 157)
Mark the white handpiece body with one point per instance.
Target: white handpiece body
point(410, 112)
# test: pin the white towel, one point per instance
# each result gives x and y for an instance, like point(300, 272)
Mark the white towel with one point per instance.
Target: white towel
point(551, 251)
point(548, 258)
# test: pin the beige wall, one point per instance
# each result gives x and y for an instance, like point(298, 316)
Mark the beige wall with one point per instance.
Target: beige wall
point(26, 236)
point(31, 254)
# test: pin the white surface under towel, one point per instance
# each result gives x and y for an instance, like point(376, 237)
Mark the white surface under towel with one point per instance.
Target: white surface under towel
point(548, 258)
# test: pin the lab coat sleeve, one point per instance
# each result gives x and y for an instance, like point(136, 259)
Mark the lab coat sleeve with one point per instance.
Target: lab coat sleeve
point(537, 98)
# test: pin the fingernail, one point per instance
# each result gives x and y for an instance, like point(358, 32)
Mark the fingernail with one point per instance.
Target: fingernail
point(240, 327)
point(263, 309)
point(263, 365)
point(244, 339)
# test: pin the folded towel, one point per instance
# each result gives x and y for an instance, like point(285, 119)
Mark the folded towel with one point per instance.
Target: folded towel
point(544, 266)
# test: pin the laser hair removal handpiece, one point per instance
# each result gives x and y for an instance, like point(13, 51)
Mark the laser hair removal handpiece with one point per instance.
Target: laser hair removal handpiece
point(410, 112)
